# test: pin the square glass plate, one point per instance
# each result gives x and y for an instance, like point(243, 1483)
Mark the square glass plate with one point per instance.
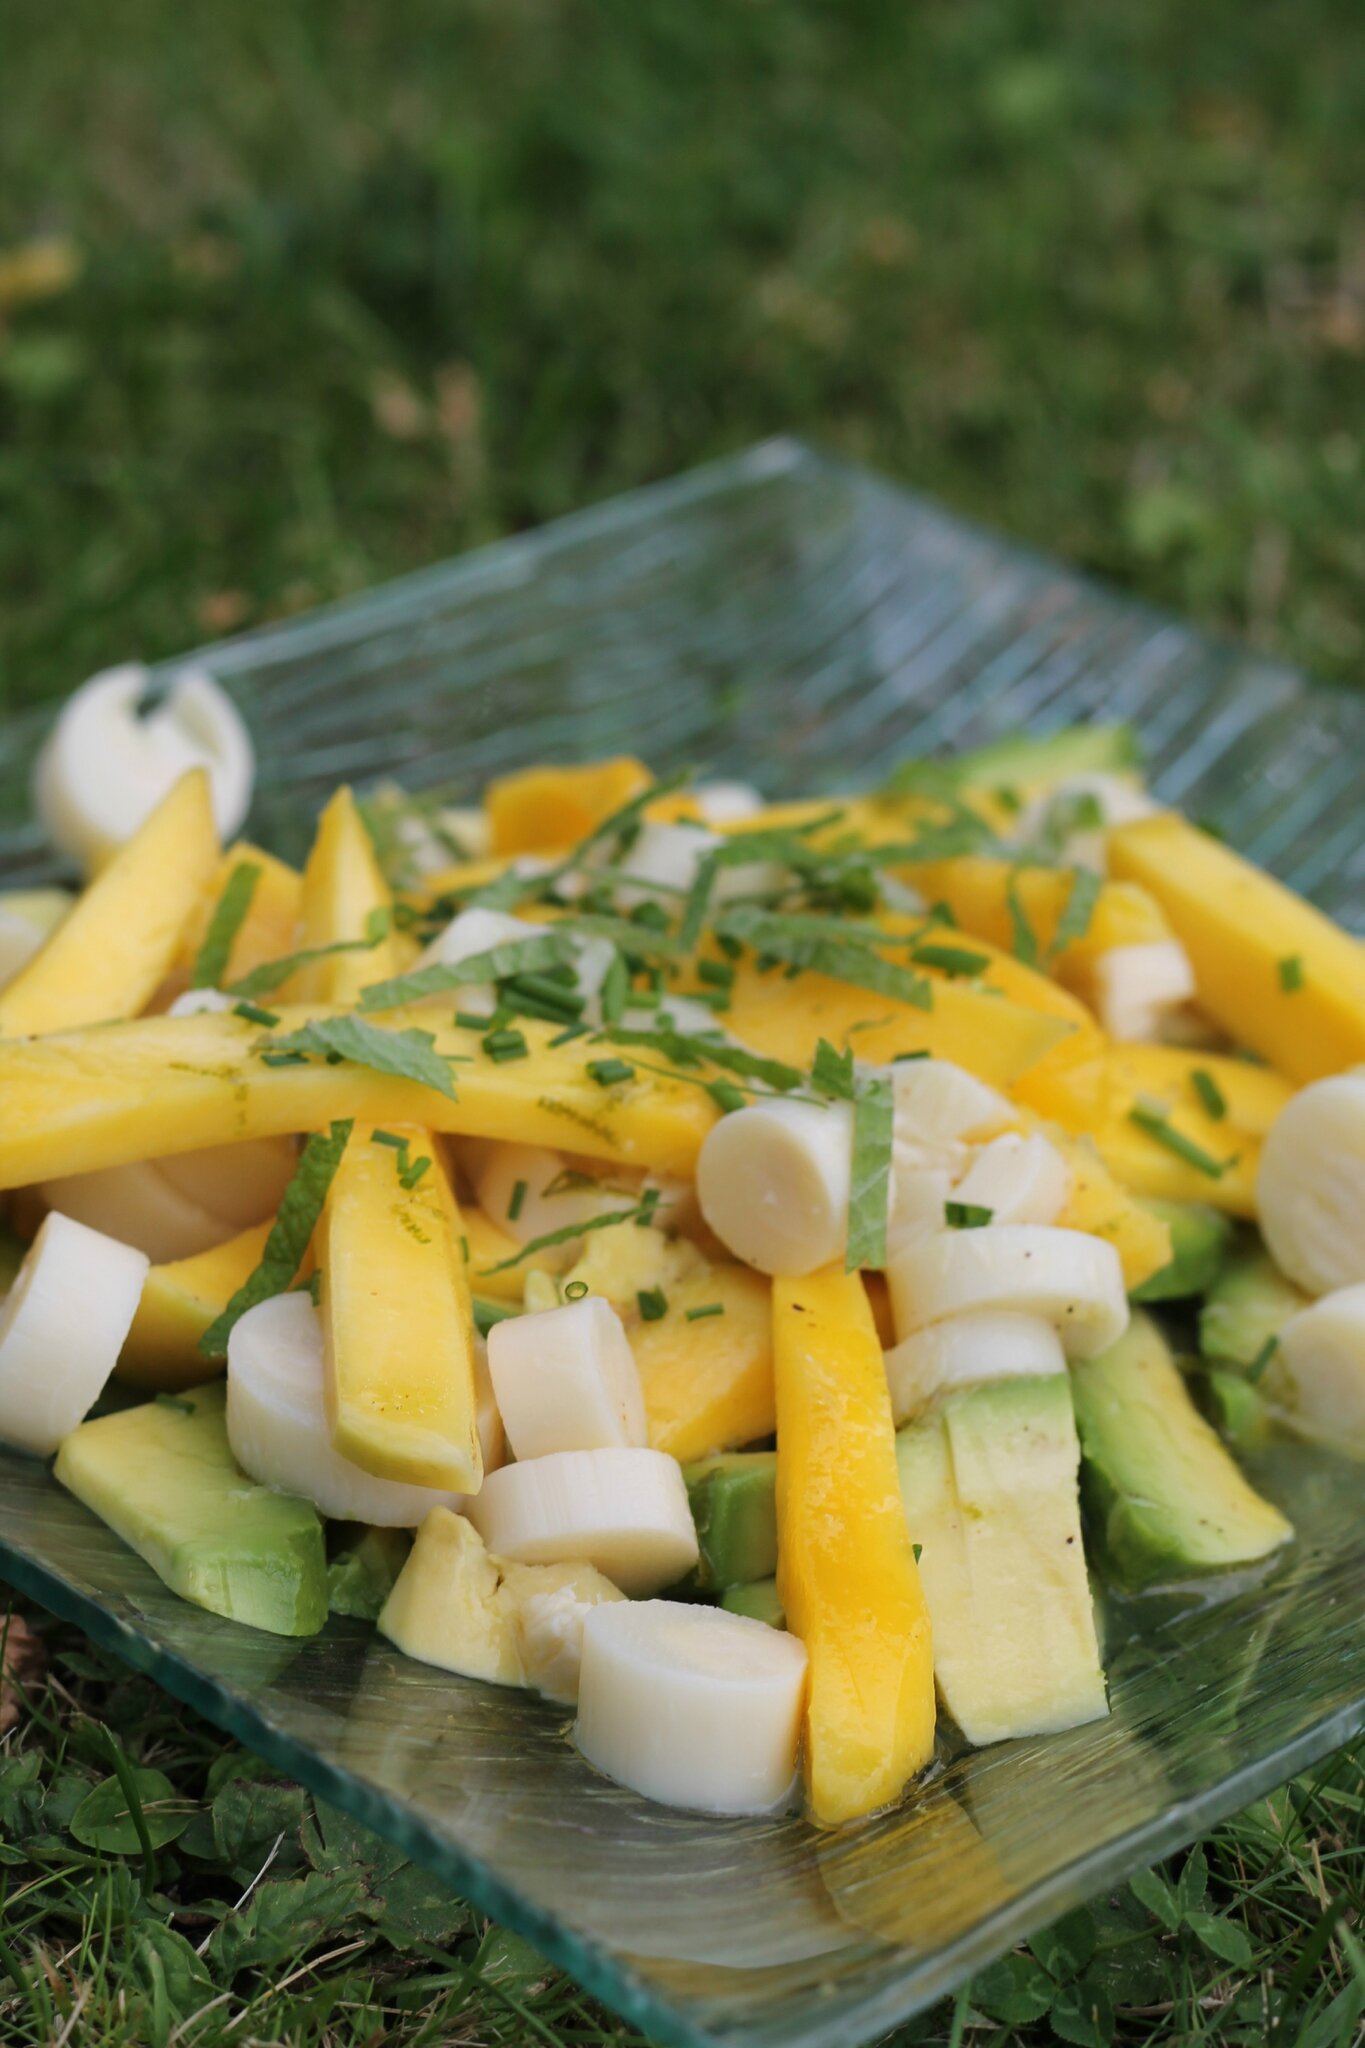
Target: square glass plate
point(784, 619)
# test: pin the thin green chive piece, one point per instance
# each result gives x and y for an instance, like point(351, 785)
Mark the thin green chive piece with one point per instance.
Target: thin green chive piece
point(254, 1014)
point(515, 1205)
point(576, 1290)
point(1291, 973)
point(1262, 1359)
point(1161, 1128)
point(966, 1215)
point(1208, 1091)
point(653, 1304)
point(710, 1308)
point(410, 1175)
point(954, 961)
point(505, 1045)
point(726, 1095)
point(607, 1073)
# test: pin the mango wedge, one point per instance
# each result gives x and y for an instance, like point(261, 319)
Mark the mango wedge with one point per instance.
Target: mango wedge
point(343, 887)
point(85, 1099)
point(846, 1571)
point(110, 954)
point(996, 1039)
point(544, 810)
point(977, 888)
point(708, 1385)
point(1273, 971)
point(179, 1301)
point(397, 1321)
point(270, 928)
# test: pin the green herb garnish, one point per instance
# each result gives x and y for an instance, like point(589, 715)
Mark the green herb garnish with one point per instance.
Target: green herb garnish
point(496, 963)
point(1024, 944)
point(254, 1014)
point(870, 1183)
point(726, 1095)
point(1291, 973)
point(290, 1234)
point(832, 1072)
point(1262, 1359)
point(576, 1290)
point(409, 1055)
point(1074, 922)
point(966, 1215)
point(229, 915)
point(514, 1207)
point(710, 1308)
point(653, 1304)
point(1208, 1091)
point(504, 1045)
point(640, 1214)
point(822, 946)
point(1159, 1126)
point(607, 1073)
point(951, 960)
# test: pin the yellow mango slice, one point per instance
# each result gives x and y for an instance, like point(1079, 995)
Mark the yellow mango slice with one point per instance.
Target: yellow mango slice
point(1273, 971)
point(81, 1100)
point(179, 1301)
point(846, 1572)
point(1254, 1095)
point(708, 1385)
point(1148, 1167)
point(541, 810)
point(343, 886)
point(994, 1038)
point(1099, 1203)
point(270, 928)
point(977, 889)
point(397, 1322)
point(489, 1245)
point(110, 954)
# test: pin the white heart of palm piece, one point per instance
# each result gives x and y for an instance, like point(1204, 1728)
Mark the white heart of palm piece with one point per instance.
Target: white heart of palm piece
point(691, 1706)
point(625, 1511)
point(666, 859)
point(1137, 989)
point(62, 1326)
point(176, 1207)
point(531, 1192)
point(773, 1181)
point(105, 768)
point(936, 1102)
point(1318, 1372)
point(727, 803)
point(1018, 1179)
point(967, 1350)
point(202, 1002)
point(1310, 1189)
point(28, 918)
point(277, 1421)
point(477, 930)
point(566, 1380)
point(1071, 1279)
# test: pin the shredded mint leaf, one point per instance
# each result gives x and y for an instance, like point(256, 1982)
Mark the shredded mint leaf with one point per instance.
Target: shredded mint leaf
point(1209, 1093)
point(1025, 944)
point(954, 961)
point(272, 974)
point(410, 1055)
point(290, 1233)
point(640, 937)
point(828, 950)
point(870, 1188)
point(531, 955)
point(779, 845)
point(832, 1071)
point(1074, 922)
point(1255, 1371)
point(687, 1049)
point(229, 915)
point(641, 1212)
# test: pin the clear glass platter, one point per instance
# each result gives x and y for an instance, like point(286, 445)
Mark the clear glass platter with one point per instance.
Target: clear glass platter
point(801, 624)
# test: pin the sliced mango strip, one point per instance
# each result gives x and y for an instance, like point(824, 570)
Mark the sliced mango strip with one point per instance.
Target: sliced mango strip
point(1273, 971)
point(110, 954)
point(994, 1038)
point(270, 928)
point(85, 1099)
point(846, 1572)
point(708, 1384)
point(179, 1301)
point(1253, 1095)
point(397, 1322)
point(343, 887)
point(544, 810)
point(978, 888)
point(1146, 1166)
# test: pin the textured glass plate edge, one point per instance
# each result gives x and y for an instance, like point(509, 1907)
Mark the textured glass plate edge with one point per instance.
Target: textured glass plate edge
point(501, 566)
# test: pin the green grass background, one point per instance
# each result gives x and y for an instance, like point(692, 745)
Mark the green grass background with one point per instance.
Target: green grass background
point(356, 286)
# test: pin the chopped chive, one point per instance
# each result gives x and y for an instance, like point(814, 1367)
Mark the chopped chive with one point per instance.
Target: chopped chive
point(505, 1045)
point(726, 1095)
point(410, 1175)
point(1262, 1359)
point(729, 945)
point(652, 916)
point(1160, 1127)
point(1291, 973)
point(710, 1308)
point(390, 1138)
point(607, 1073)
point(653, 1304)
point(464, 1249)
point(547, 989)
point(1074, 922)
point(1208, 1091)
point(284, 1059)
point(518, 1197)
point(471, 1020)
point(576, 1290)
point(649, 1202)
point(920, 1053)
point(1025, 941)
point(719, 973)
point(254, 1014)
point(918, 1549)
point(966, 1215)
point(615, 990)
point(570, 1031)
